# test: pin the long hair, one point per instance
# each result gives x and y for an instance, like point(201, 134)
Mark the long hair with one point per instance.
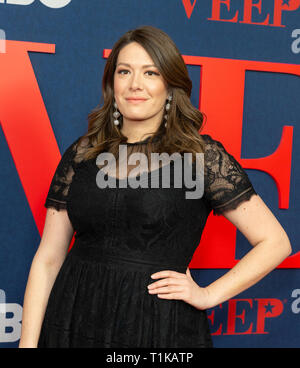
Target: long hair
point(184, 120)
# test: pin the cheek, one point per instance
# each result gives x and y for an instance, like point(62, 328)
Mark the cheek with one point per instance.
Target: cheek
point(117, 86)
point(120, 85)
point(159, 92)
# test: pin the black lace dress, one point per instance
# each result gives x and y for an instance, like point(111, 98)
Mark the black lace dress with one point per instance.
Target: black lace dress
point(122, 236)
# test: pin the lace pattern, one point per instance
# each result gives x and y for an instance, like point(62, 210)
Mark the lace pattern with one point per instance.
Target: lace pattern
point(100, 295)
point(62, 178)
point(227, 185)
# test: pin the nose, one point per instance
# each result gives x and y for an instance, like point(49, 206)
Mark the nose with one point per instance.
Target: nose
point(135, 81)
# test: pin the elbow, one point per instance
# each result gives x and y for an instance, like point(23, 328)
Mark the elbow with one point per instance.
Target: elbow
point(280, 246)
point(286, 245)
point(289, 248)
point(48, 258)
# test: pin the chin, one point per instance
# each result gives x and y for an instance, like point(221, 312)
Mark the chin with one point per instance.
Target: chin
point(136, 117)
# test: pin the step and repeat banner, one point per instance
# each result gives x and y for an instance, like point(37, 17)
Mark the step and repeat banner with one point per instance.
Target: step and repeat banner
point(243, 57)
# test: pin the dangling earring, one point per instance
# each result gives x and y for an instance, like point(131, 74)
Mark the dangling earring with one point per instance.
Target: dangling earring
point(116, 114)
point(168, 106)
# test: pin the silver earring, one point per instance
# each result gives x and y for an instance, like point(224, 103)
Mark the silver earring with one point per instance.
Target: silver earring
point(116, 114)
point(168, 106)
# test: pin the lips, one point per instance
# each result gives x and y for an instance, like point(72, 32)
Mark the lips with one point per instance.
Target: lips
point(135, 99)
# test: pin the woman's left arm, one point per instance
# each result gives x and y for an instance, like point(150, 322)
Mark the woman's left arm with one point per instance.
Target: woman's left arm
point(271, 246)
point(270, 243)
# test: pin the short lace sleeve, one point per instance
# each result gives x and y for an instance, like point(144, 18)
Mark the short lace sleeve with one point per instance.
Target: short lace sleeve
point(226, 184)
point(62, 178)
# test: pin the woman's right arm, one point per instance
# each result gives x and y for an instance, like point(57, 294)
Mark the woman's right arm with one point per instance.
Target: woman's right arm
point(51, 253)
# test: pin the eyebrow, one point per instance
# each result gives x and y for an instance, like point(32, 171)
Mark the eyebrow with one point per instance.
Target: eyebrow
point(144, 66)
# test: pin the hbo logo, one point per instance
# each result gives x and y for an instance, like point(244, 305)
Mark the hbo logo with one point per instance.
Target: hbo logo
point(10, 320)
point(50, 3)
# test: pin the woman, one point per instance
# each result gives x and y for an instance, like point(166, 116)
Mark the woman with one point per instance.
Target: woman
point(126, 281)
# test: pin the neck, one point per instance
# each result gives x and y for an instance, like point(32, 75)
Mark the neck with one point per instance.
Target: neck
point(137, 131)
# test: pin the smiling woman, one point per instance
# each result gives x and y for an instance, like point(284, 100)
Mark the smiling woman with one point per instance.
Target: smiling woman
point(145, 65)
point(140, 91)
point(126, 281)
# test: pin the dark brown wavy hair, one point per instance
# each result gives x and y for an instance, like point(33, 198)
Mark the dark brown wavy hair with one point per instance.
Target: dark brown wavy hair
point(184, 120)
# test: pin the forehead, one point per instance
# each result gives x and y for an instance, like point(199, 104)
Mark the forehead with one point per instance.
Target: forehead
point(135, 54)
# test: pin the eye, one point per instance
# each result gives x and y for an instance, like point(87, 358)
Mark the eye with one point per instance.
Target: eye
point(152, 72)
point(123, 71)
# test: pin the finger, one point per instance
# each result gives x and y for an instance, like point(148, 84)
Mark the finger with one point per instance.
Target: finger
point(167, 281)
point(167, 273)
point(165, 289)
point(170, 296)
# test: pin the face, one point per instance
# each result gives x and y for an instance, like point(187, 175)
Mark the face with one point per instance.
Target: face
point(140, 90)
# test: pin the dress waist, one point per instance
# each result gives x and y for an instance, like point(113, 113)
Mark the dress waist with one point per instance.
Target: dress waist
point(95, 254)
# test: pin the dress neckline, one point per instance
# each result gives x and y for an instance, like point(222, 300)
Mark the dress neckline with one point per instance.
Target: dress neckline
point(144, 141)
